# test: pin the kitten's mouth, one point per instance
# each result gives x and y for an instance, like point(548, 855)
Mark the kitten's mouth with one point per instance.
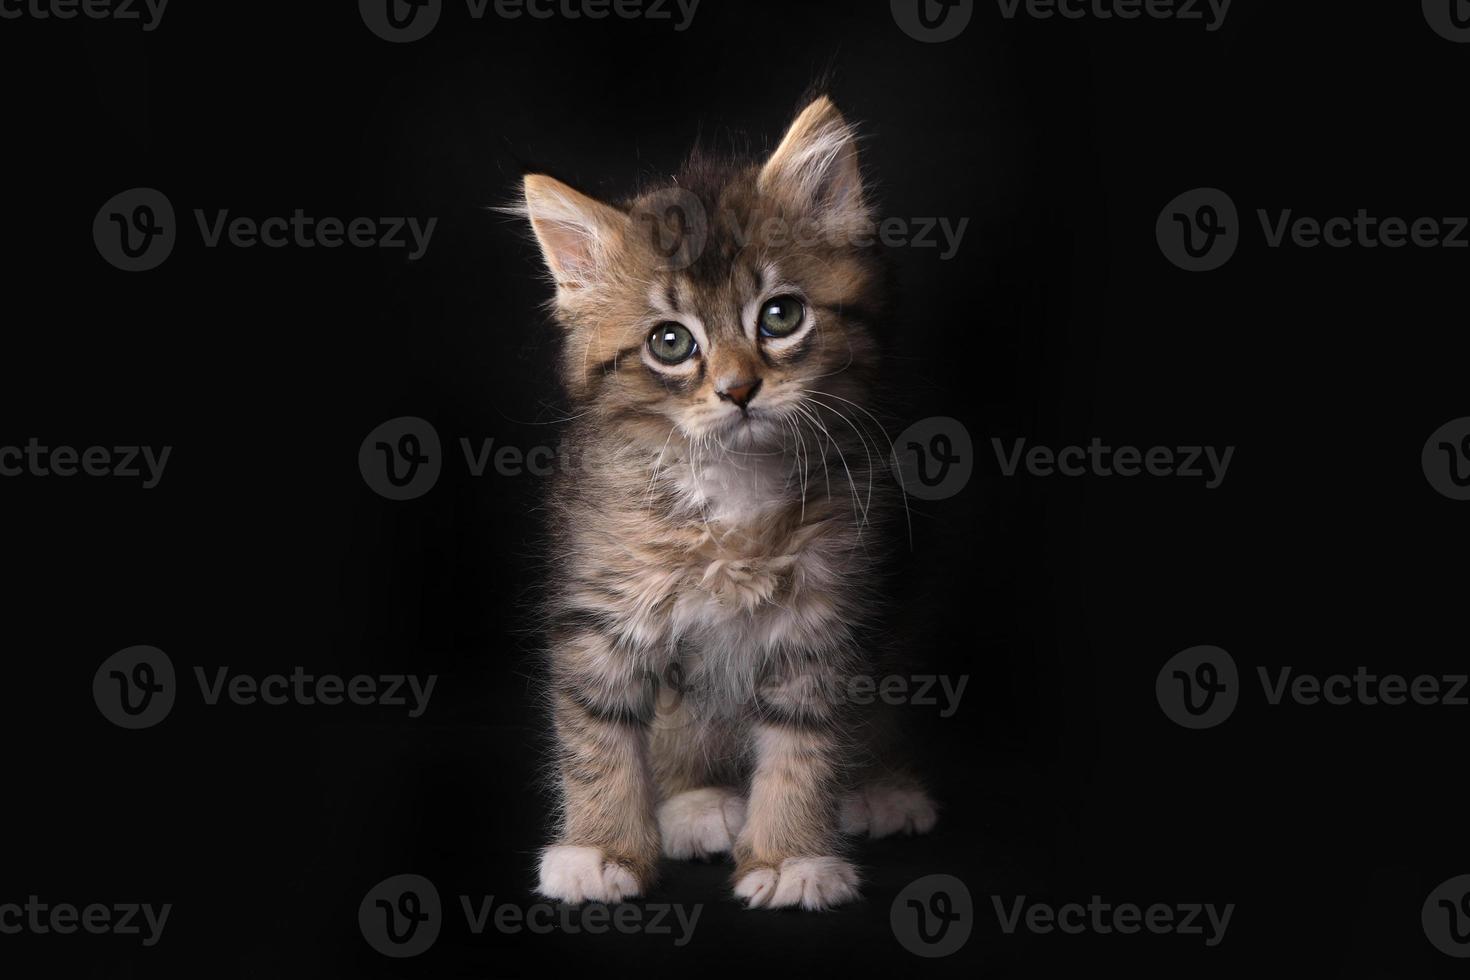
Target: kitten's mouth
point(742, 418)
point(748, 425)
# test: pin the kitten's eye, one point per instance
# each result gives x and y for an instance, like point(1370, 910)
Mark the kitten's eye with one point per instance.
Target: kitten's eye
point(672, 343)
point(781, 316)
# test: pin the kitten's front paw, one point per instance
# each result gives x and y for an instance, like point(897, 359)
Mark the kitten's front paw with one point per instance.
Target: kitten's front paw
point(881, 811)
point(814, 883)
point(699, 823)
point(575, 875)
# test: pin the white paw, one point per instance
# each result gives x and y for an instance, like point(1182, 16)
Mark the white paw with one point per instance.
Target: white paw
point(813, 883)
point(581, 874)
point(881, 811)
point(700, 822)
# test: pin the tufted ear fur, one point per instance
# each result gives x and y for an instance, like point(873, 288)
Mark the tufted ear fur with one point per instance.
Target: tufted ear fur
point(578, 234)
point(814, 171)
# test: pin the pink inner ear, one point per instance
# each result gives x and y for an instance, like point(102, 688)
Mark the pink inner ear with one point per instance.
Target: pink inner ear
point(569, 247)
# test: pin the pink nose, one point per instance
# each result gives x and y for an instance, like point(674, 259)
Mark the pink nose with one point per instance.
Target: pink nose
point(741, 393)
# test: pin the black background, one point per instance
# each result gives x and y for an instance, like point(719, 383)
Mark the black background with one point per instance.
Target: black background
point(1059, 320)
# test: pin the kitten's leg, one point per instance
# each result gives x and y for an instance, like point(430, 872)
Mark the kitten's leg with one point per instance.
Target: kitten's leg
point(886, 798)
point(608, 845)
point(701, 823)
point(886, 806)
point(696, 766)
point(788, 852)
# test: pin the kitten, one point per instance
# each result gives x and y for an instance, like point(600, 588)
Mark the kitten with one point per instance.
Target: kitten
point(716, 545)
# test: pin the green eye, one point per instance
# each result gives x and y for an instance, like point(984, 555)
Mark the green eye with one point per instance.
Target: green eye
point(672, 343)
point(781, 316)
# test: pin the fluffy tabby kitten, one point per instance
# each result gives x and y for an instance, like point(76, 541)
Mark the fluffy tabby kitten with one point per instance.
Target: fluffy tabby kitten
point(715, 547)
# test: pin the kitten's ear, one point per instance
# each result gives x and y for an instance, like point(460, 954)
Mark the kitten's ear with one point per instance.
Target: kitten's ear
point(815, 169)
point(578, 234)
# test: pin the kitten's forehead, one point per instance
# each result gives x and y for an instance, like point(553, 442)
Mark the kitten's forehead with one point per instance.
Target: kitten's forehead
point(707, 211)
point(681, 292)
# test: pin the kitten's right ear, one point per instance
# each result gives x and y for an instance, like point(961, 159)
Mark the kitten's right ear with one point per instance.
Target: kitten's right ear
point(578, 234)
point(815, 167)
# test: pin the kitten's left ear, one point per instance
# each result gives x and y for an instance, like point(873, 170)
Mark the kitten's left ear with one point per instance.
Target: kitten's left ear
point(815, 169)
point(579, 235)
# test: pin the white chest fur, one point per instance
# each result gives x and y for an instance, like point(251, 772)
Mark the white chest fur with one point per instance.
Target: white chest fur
point(767, 578)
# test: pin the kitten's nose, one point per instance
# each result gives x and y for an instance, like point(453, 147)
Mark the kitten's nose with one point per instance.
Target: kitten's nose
point(742, 392)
